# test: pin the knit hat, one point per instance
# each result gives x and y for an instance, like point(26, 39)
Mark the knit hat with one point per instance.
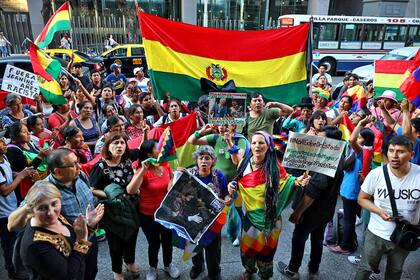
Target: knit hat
point(322, 93)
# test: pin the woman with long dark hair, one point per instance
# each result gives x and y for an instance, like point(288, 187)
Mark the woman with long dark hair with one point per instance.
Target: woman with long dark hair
point(263, 190)
point(114, 169)
point(152, 183)
point(22, 152)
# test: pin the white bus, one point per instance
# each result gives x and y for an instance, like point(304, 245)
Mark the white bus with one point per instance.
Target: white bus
point(343, 43)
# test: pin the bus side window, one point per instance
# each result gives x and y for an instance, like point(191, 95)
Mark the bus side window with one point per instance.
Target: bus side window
point(351, 32)
point(413, 36)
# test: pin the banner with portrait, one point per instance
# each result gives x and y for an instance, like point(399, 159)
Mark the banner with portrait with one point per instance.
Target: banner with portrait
point(189, 208)
point(227, 108)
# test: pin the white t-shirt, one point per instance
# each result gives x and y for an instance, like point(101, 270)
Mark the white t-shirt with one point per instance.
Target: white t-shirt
point(407, 198)
point(8, 203)
point(143, 84)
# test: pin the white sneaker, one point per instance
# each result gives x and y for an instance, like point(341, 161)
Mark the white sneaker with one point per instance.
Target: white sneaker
point(375, 276)
point(152, 274)
point(354, 259)
point(172, 270)
point(236, 242)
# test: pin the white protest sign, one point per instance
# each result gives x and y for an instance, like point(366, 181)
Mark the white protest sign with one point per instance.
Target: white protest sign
point(313, 153)
point(19, 81)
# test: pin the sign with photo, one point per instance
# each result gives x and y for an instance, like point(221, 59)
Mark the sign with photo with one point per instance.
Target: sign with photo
point(189, 208)
point(313, 153)
point(19, 81)
point(227, 108)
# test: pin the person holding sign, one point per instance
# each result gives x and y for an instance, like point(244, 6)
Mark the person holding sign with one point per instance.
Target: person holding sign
point(205, 158)
point(313, 208)
point(263, 190)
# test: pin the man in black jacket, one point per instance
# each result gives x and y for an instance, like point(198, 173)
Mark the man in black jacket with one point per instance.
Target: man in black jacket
point(313, 208)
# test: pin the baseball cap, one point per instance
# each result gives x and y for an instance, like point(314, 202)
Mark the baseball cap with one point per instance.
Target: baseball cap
point(114, 65)
point(137, 69)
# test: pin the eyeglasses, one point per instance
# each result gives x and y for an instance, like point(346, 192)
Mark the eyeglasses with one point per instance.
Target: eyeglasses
point(74, 164)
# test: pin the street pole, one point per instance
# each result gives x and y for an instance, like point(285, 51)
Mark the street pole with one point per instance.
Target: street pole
point(206, 14)
point(241, 21)
point(267, 8)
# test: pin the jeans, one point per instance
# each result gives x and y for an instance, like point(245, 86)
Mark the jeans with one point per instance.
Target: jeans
point(374, 248)
point(156, 234)
point(7, 241)
point(213, 255)
point(351, 208)
point(120, 248)
point(300, 235)
point(4, 51)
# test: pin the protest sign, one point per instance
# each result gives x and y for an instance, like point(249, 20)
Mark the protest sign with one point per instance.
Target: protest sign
point(227, 108)
point(19, 81)
point(313, 153)
point(189, 208)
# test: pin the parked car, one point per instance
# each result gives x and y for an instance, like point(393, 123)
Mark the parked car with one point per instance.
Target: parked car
point(86, 60)
point(129, 56)
point(366, 72)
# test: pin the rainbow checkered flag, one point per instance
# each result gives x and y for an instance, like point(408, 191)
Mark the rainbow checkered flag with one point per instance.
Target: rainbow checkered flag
point(166, 147)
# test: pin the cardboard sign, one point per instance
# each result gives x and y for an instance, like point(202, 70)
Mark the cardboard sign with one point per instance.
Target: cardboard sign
point(19, 81)
point(227, 108)
point(190, 207)
point(313, 153)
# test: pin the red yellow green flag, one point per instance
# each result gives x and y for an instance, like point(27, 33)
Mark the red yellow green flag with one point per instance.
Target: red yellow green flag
point(389, 74)
point(166, 148)
point(48, 70)
point(346, 127)
point(59, 21)
point(272, 62)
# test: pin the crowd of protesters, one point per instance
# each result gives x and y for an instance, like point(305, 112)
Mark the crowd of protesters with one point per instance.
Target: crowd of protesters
point(56, 205)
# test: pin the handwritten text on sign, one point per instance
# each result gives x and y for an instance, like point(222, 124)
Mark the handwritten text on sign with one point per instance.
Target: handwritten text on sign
point(19, 81)
point(313, 153)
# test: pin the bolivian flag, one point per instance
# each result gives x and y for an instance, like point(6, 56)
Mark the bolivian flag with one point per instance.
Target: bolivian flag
point(346, 127)
point(48, 70)
point(180, 130)
point(59, 21)
point(272, 62)
point(389, 74)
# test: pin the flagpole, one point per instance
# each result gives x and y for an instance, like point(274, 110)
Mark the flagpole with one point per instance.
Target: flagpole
point(311, 25)
point(62, 68)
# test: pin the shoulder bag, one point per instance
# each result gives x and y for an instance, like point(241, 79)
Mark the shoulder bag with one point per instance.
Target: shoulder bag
point(405, 234)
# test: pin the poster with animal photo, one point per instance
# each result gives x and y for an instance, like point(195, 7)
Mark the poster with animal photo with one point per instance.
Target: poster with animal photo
point(227, 108)
point(189, 208)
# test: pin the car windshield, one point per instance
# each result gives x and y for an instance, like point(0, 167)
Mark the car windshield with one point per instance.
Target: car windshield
point(82, 55)
point(393, 56)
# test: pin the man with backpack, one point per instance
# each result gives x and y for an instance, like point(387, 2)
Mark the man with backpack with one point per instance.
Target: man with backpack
point(378, 196)
point(8, 203)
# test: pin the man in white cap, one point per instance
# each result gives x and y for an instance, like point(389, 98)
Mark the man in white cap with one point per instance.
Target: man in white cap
point(140, 78)
point(387, 101)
